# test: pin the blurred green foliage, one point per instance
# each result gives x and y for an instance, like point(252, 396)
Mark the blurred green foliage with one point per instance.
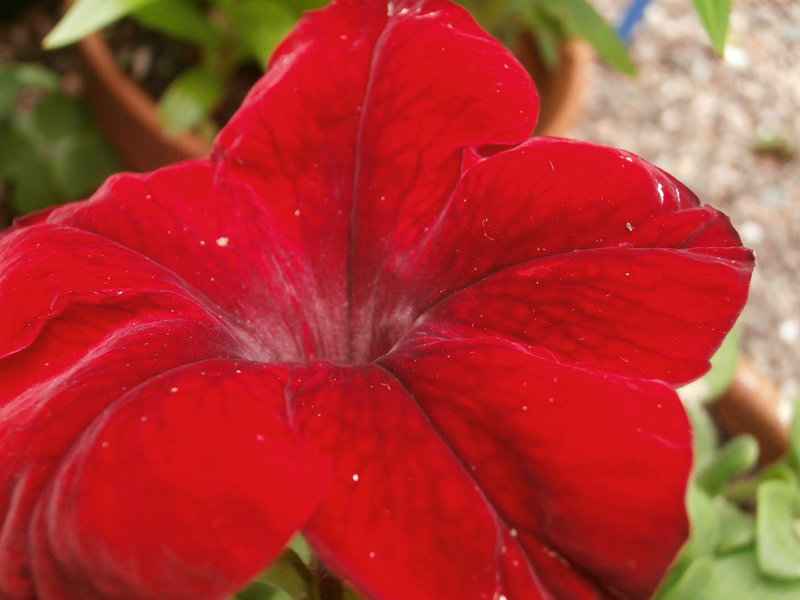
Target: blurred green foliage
point(50, 151)
point(227, 33)
point(745, 523)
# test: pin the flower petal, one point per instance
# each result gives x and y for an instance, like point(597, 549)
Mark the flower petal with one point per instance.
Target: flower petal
point(588, 469)
point(618, 267)
point(218, 243)
point(642, 312)
point(356, 161)
point(86, 322)
point(48, 270)
point(188, 488)
point(40, 422)
point(404, 517)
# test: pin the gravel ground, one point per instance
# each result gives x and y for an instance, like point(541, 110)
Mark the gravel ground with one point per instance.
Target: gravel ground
point(702, 118)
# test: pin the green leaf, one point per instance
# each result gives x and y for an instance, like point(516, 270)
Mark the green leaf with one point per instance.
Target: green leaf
point(735, 457)
point(52, 154)
point(736, 576)
point(794, 439)
point(580, 18)
point(778, 530)
point(22, 167)
point(545, 31)
point(705, 524)
point(189, 100)
point(737, 528)
point(15, 78)
point(290, 574)
point(715, 15)
point(30, 75)
point(723, 364)
point(300, 546)
point(10, 88)
point(57, 117)
point(779, 471)
point(87, 16)
point(85, 161)
point(704, 434)
point(348, 594)
point(263, 25)
point(549, 46)
point(691, 584)
point(183, 20)
point(300, 6)
point(258, 590)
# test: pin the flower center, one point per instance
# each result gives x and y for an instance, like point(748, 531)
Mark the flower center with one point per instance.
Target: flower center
point(342, 337)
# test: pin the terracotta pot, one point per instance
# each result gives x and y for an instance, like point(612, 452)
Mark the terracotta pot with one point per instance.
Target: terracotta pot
point(561, 90)
point(129, 117)
point(754, 405)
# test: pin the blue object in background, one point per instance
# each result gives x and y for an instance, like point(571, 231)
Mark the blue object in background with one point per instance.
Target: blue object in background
point(633, 15)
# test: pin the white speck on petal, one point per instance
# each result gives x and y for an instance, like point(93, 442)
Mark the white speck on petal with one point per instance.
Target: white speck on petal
point(202, 242)
point(355, 476)
point(222, 241)
point(297, 213)
point(173, 390)
point(484, 224)
point(628, 226)
point(260, 437)
point(513, 532)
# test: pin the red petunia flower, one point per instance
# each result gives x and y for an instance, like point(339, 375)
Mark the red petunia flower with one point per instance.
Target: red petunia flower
point(381, 315)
